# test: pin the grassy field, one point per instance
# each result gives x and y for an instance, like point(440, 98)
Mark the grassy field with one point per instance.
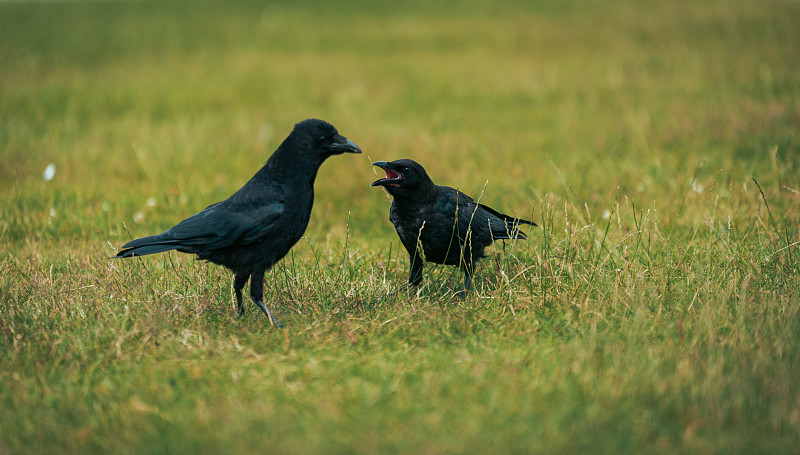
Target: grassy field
point(655, 309)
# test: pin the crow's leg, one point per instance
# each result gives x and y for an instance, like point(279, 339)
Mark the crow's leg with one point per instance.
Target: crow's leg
point(238, 284)
point(257, 294)
point(468, 272)
point(415, 277)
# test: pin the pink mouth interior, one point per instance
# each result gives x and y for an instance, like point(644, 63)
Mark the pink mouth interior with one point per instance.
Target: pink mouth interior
point(390, 174)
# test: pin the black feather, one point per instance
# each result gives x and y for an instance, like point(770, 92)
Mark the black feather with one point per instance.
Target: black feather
point(441, 224)
point(255, 227)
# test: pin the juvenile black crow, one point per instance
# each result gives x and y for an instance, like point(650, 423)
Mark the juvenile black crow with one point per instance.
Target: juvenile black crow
point(253, 229)
point(441, 224)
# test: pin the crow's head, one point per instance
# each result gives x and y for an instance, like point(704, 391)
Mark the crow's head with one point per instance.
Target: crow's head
point(323, 138)
point(403, 177)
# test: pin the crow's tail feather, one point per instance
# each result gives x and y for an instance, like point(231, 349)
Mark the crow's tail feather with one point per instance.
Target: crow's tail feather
point(513, 225)
point(509, 220)
point(510, 227)
point(147, 245)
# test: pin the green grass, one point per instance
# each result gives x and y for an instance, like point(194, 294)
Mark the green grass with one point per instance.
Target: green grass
point(655, 310)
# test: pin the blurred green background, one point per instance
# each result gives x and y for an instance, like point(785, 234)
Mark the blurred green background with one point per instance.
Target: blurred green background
point(654, 311)
point(182, 102)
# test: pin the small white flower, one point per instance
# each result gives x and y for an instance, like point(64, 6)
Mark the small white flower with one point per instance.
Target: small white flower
point(138, 216)
point(697, 188)
point(49, 172)
point(151, 201)
point(52, 212)
point(606, 214)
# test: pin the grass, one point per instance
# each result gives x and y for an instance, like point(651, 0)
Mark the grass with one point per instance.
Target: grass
point(655, 309)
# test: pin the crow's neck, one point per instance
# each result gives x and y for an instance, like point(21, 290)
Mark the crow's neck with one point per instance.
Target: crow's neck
point(423, 195)
point(289, 165)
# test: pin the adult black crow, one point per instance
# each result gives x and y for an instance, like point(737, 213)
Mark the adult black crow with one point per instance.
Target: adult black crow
point(441, 224)
point(253, 229)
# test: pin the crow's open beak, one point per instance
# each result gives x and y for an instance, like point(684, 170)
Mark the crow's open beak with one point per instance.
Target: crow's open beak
point(392, 177)
point(343, 145)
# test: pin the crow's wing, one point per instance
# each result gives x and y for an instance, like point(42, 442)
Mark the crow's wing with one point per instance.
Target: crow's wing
point(218, 226)
point(477, 220)
point(502, 226)
point(486, 223)
point(491, 225)
point(472, 220)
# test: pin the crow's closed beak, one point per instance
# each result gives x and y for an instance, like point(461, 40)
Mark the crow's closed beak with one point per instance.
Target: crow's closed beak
point(343, 145)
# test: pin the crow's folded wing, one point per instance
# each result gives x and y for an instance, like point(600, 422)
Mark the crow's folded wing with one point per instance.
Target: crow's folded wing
point(220, 226)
